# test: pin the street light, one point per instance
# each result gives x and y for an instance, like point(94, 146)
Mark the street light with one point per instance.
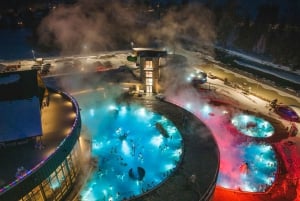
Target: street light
point(33, 54)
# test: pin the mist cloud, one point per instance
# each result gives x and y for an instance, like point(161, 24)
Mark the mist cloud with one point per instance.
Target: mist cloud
point(91, 25)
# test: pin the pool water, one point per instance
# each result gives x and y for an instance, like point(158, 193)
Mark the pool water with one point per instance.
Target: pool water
point(256, 173)
point(135, 149)
point(252, 126)
point(248, 166)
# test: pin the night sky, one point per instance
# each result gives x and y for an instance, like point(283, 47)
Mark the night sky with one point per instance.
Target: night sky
point(286, 7)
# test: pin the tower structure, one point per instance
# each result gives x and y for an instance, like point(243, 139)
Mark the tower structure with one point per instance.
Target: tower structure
point(150, 61)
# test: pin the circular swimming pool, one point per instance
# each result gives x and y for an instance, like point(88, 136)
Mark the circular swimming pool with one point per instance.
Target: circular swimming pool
point(135, 149)
point(246, 166)
point(252, 126)
point(256, 173)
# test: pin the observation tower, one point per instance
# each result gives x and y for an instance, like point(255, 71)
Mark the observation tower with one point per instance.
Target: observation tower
point(150, 61)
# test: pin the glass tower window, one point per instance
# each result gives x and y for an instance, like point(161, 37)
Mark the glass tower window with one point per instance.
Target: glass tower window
point(148, 65)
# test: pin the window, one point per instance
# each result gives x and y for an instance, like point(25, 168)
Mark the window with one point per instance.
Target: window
point(148, 64)
point(149, 81)
point(149, 74)
point(34, 195)
point(149, 89)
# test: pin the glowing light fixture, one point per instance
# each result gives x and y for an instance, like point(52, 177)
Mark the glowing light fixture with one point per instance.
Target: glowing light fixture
point(156, 140)
point(92, 112)
point(54, 185)
point(169, 167)
point(188, 106)
point(125, 148)
point(112, 107)
point(142, 112)
point(123, 110)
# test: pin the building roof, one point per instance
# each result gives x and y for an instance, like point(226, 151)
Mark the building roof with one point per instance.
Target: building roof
point(150, 52)
point(19, 106)
point(20, 119)
point(56, 124)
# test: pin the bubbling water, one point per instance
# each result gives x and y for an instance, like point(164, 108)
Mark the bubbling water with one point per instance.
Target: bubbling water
point(256, 173)
point(246, 166)
point(252, 126)
point(133, 156)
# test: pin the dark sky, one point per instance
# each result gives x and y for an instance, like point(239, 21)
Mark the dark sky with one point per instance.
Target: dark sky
point(286, 7)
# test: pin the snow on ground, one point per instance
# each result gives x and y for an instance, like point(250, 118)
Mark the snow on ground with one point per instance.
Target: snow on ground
point(254, 59)
point(286, 75)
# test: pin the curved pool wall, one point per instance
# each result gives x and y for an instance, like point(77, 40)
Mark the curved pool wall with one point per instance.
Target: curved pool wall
point(52, 178)
point(196, 175)
point(252, 126)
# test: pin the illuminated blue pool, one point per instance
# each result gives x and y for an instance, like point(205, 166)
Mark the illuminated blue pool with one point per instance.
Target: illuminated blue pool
point(136, 150)
point(257, 171)
point(253, 126)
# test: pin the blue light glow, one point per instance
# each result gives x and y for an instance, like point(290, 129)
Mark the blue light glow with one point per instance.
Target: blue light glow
point(253, 126)
point(92, 112)
point(55, 184)
point(257, 173)
point(127, 141)
point(125, 148)
point(206, 110)
point(156, 140)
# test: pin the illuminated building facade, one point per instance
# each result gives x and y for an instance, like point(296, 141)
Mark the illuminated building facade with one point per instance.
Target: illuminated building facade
point(150, 60)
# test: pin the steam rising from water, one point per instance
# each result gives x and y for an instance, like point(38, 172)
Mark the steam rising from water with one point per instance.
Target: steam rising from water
point(91, 25)
point(244, 165)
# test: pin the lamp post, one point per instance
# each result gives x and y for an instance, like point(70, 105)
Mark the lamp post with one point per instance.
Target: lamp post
point(132, 44)
point(33, 54)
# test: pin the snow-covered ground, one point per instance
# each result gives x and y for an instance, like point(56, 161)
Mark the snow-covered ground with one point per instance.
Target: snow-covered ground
point(286, 75)
point(254, 59)
point(267, 67)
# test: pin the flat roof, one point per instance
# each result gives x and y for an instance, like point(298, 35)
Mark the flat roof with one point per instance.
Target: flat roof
point(56, 124)
point(147, 49)
point(20, 119)
point(150, 52)
point(19, 106)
